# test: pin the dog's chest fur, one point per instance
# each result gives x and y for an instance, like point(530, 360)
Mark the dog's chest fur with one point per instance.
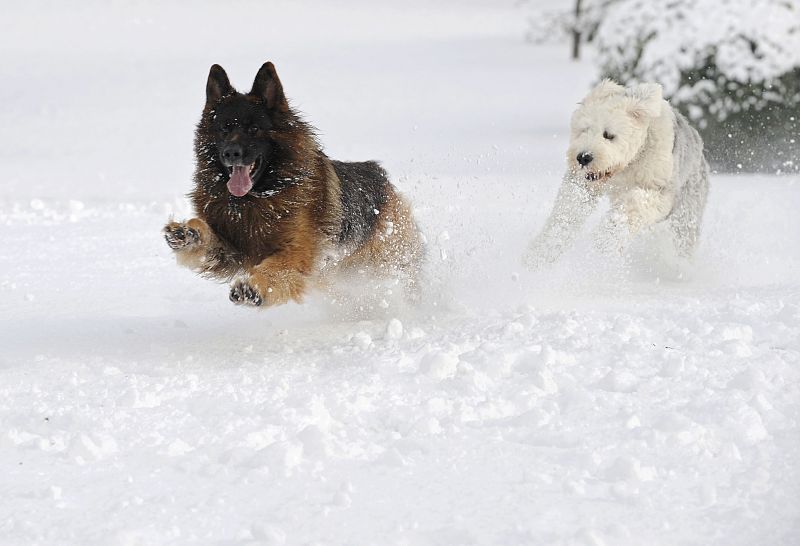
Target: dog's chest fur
point(254, 227)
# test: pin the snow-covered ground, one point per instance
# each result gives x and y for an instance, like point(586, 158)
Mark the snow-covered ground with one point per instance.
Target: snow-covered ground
point(593, 403)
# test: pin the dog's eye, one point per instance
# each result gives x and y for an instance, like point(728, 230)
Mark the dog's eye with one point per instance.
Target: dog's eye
point(607, 135)
point(252, 130)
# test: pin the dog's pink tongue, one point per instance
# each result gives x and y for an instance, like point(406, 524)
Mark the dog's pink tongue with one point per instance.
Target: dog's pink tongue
point(240, 182)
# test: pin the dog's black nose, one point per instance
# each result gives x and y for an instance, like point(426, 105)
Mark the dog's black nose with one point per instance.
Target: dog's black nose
point(584, 158)
point(232, 154)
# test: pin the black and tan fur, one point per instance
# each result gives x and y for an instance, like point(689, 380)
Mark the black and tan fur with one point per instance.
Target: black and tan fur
point(306, 219)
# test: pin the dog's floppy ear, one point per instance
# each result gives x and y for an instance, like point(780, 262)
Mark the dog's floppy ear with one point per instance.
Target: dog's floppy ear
point(268, 87)
point(644, 100)
point(218, 84)
point(603, 90)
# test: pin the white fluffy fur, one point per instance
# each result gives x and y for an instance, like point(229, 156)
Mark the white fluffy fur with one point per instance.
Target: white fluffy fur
point(652, 168)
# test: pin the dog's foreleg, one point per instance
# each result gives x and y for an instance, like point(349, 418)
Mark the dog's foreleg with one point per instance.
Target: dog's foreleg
point(276, 280)
point(629, 214)
point(197, 247)
point(285, 274)
point(574, 204)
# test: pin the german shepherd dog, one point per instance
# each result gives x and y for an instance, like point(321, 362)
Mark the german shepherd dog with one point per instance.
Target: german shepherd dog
point(274, 214)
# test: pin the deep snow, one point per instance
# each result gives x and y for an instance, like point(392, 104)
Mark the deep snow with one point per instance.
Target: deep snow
point(592, 403)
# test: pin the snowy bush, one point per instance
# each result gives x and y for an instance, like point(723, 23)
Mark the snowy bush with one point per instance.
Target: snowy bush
point(733, 66)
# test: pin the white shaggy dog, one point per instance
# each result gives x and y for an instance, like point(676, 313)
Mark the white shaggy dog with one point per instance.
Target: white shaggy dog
point(631, 145)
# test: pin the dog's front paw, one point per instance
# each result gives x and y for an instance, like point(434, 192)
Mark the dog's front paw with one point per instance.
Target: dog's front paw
point(180, 236)
point(242, 293)
point(542, 254)
point(611, 240)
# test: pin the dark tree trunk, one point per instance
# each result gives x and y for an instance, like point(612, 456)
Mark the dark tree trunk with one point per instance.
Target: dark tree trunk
point(576, 33)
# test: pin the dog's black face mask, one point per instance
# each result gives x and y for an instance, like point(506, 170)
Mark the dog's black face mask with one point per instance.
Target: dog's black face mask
point(241, 125)
point(240, 130)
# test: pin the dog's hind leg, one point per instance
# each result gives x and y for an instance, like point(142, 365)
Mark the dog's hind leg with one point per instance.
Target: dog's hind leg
point(395, 251)
point(686, 218)
point(690, 168)
point(574, 204)
point(402, 247)
point(197, 247)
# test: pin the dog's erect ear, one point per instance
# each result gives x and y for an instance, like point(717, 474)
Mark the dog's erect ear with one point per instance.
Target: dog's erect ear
point(268, 87)
point(644, 100)
point(218, 84)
